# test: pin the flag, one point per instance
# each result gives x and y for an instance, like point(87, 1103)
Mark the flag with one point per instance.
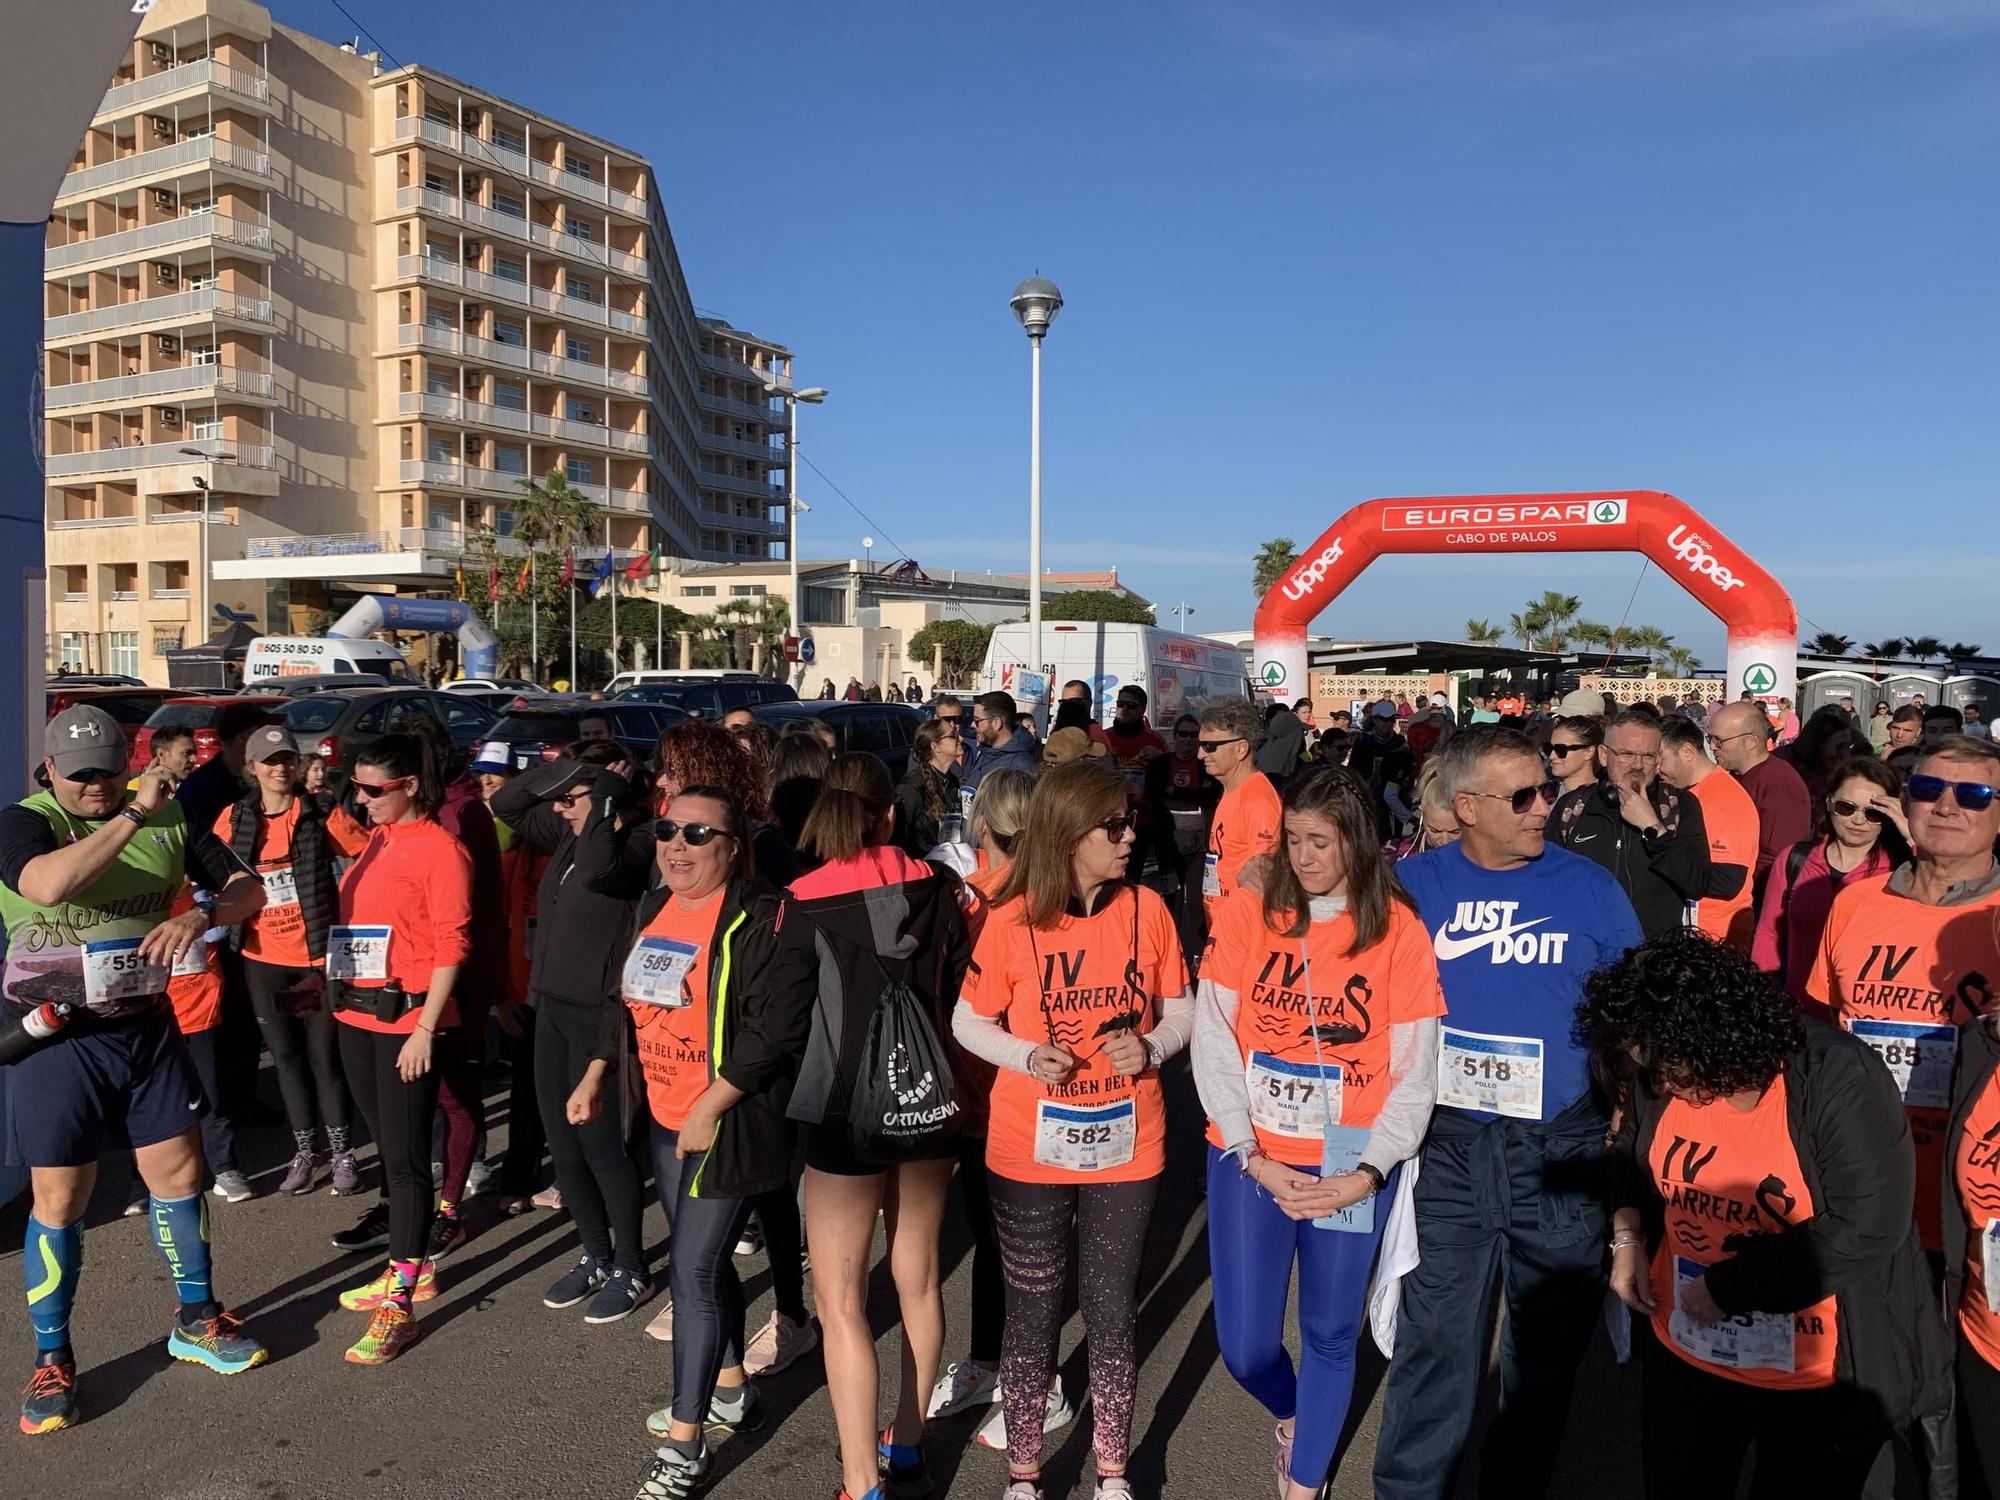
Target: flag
point(458, 576)
point(643, 564)
point(569, 566)
point(493, 584)
point(602, 576)
point(521, 583)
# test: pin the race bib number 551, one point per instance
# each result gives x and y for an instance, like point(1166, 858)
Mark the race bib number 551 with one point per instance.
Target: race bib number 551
point(113, 973)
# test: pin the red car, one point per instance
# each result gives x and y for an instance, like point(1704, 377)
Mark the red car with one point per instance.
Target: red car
point(130, 706)
point(198, 714)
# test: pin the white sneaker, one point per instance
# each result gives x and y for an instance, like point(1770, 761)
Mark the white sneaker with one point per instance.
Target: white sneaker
point(779, 1344)
point(662, 1326)
point(480, 1178)
point(993, 1431)
point(963, 1386)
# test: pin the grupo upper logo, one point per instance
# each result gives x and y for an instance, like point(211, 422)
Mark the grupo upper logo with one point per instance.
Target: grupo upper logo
point(1513, 513)
point(1307, 578)
point(1694, 549)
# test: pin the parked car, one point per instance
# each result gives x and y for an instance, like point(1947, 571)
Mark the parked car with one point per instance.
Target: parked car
point(709, 698)
point(338, 723)
point(624, 680)
point(500, 700)
point(519, 686)
point(94, 679)
point(536, 731)
point(305, 687)
point(198, 714)
point(885, 730)
point(130, 706)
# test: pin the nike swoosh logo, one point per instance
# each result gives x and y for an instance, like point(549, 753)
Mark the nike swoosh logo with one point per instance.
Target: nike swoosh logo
point(1448, 948)
point(1583, 838)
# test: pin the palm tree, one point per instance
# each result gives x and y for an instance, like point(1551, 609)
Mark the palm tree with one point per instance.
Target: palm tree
point(1924, 647)
point(1528, 626)
point(1826, 643)
point(742, 624)
point(1958, 653)
point(1482, 633)
point(1556, 609)
point(1649, 639)
point(1590, 633)
point(1272, 562)
point(1681, 661)
point(1888, 646)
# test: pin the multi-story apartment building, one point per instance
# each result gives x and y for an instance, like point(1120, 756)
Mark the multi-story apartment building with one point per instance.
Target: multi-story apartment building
point(343, 313)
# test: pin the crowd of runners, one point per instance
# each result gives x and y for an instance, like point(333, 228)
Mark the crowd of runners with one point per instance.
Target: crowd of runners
point(1668, 1019)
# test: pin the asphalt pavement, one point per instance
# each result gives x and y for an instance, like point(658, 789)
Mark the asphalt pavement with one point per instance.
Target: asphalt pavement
point(504, 1398)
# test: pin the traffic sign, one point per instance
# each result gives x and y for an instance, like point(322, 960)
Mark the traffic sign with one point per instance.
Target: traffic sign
point(791, 648)
point(807, 651)
point(1759, 678)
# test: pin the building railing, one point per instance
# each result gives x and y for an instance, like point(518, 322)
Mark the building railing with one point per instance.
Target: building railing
point(771, 416)
point(762, 453)
point(157, 456)
point(737, 484)
point(206, 303)
point(453, 408)
point(519, 163)
point(249, 84)
point(249, 234)
point(207, 150)
point(213, 380)
point(471, 345)
point(736, 369)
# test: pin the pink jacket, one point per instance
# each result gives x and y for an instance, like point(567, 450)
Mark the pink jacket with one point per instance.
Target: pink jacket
point(1794, 915)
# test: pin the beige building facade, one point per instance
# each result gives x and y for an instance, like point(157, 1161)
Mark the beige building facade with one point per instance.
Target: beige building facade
point(311, 324)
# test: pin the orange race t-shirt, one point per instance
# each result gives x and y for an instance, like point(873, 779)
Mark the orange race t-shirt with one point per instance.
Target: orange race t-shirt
point(277, 934)
point(1901, 974)
point(1724, 1172)
point(1074, 984)
point(1289, 987)
point(1245, 825)
point(976, 893)
point(1731, 820)
point(1975, 1175)
point(666, 990)
point(194, 988)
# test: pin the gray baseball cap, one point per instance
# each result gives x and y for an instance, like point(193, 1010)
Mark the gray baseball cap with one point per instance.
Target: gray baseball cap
point(268, 743)
point(84, 739)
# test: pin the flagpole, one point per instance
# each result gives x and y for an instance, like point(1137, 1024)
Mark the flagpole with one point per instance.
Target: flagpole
point(534, 635)
point(611, 558)
point(572, 633)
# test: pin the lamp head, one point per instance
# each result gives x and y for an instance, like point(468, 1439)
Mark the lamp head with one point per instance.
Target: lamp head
point(1036, 303)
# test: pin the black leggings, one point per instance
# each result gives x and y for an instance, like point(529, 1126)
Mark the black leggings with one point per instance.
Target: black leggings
point(521, 1167)
point(708, 1294)
point(218, 1136)
point(989, 1286)
point(1035, 1223)
point(304, 1048)
point(601, 1184)
point(401, 1115)
point(1978, 1424)
point(784, 1242)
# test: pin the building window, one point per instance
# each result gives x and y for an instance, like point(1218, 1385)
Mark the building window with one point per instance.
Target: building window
point(165, 640)
point(69, 650)
point(439, 114)
point(75, 580)
point(121, 652)
point(440, 383)
point(437, 182)
point(207, 429)
point(582, 290)
point(510, 460)
point(580, 228)
point(510, 205)
point(698, 591)
point(202, 281)
point(508, 269)
point(581, 169)
point(436, 315)
point(505, 332)
point(580, 350)
point(746, 590)
point(204, 354)
point(579, 471)
point(510, 397)
point(503, 522)
point(192, 206)
point(441, 450)
point(581, 411)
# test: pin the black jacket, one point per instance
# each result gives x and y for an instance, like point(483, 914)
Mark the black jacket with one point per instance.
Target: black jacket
point(916, 825)
point(589, 892)
point(311, 859)
point(1661, 874)
point(1862, 1244)
point(756, 1032)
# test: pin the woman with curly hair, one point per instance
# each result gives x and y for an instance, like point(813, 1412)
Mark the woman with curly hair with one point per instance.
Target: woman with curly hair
point(697, 753)
point(1763, 1187)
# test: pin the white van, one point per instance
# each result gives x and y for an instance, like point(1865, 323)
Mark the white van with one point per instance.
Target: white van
point(271, 657)
point(1179, 672)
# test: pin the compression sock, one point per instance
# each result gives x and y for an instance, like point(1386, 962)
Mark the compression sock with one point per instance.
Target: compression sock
point(52, 1260)
point(447, 1210)
point(180, 1230)
point(405, 1273)
point(900, 1455)
point(302, 1141)
point(337, 1137)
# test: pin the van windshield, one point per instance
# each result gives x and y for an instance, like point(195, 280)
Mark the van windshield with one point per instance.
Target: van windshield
point(394, 668)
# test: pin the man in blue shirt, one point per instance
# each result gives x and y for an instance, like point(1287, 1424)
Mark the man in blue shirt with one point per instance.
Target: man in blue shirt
point(1512, 1178)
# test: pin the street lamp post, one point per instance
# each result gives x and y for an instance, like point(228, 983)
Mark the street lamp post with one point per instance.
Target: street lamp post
point(201, 618)
point(814, 395)
point(1183, 610)
point(1036, 303)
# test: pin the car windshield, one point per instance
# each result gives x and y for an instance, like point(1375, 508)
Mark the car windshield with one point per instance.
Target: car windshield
point(557, 729)
point(183, 716)
point(311, 715)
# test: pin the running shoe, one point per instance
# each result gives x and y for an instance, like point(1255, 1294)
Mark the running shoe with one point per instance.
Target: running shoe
point(513, 1205)
point(743, 1414)
point(219, 1343)
point(621, 1292)
point(963, 1386)
point(674, 1475)
point(751, 1241)
point(371, 1233)
point(346, 1175)
point(1284, 1440)
point(298, 1176)
point(137, 1206)
point(233, 1187)
point(48, 1402)
point(373, 1294)
point(1111, 1485)
point(910, 1481)
point(779, 1344)
point(662, 1326)
point(1023, 1489)
point(446, 1236)
point(390, 1332)
point(480, 1178)
point(578, 1282)
point(549, 1197)
point(993, 1431)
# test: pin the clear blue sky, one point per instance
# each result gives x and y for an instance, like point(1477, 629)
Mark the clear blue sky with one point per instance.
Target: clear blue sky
point(1742, 250)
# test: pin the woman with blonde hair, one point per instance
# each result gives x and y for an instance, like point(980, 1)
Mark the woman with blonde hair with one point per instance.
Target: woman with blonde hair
point(1077, 995)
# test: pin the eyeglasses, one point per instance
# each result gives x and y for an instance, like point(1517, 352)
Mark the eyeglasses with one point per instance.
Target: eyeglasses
point(952, 719)
point(569, 800)
point(1127, 705)
point(92, 776)
point(666, 830)
point(1522, 798)
point(1840, 807)
point(1184, 734)
point(1116, 828)
point(1209, 747)
point(1628, 756)
point(373, 789)
point(1717, 741)
point(1973, 796)
point(1555, 749)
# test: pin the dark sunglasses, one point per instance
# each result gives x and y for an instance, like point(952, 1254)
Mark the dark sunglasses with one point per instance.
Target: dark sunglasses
point(666, 830)
point(1184, 734)
point(1522, 798)
point(1116, 828)
point(92, 777)
point(377, 788)
point(1842, 808)
point(1555, 749)
point(1209, 747)
point(1973, 796)
point(949, 718)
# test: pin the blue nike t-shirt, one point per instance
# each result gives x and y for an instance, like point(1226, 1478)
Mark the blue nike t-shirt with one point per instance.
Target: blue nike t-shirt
point(1513, 948)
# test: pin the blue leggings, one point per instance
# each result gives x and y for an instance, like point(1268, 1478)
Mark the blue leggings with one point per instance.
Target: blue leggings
point(1251, 1248)
point(708, 1297)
